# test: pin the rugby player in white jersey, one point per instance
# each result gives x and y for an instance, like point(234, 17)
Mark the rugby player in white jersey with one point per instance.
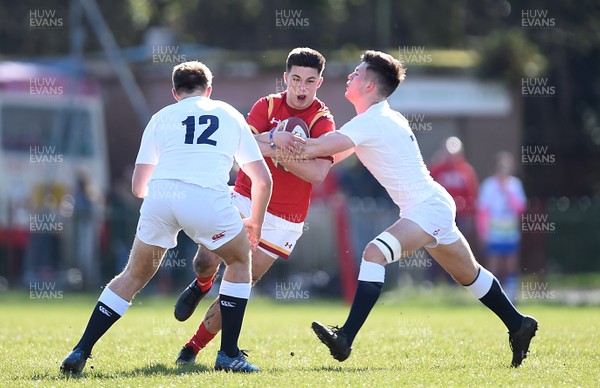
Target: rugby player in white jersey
point(385, 144)
point(181, 171)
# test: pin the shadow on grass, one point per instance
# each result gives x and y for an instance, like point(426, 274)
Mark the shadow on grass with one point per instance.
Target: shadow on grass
point(149, 370)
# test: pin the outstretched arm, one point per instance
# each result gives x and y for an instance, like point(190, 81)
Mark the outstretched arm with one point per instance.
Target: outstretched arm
point(330, 144)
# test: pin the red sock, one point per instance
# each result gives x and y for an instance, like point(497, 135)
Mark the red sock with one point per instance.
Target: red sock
point(205, 283)
point(201, 338)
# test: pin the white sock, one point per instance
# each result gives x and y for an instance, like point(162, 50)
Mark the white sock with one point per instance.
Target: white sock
point(371, 272)
point(236, 290)
point(114, 301)
point(482, 283)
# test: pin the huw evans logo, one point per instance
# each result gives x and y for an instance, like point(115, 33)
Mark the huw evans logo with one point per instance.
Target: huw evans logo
point(413, 55)
point(418, 123)
point(167, 54)
point(537, 155)
point(44, 19)
point(44, 155)
point(170, 260)
point(44, 223)
point(537, 87)
point(537, 223)
point(537, 19)
point(417, 259)
point(290, 291)
point(45, 86)
point(290, 19)
point(537, 290)
point(44, 290)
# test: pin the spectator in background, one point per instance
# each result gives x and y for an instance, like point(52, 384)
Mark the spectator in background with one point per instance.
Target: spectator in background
point(457, 176)
point(87, 218)
point(501, 202)
point(123, 212)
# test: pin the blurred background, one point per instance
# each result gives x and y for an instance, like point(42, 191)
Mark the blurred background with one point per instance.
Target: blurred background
point(79, 80)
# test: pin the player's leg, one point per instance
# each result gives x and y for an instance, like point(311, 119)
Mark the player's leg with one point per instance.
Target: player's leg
point(398, 241)
point(143, 263)
point(233, 298)
point(206, 265)
point(211, 324)
point(458, 260)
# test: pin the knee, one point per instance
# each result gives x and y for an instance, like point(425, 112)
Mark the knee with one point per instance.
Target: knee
point(383, 249)
point(373, 254)
point(205, 261)
point(136, 275)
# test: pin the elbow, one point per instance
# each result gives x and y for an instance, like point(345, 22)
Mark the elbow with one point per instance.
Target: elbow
point(264, 180)
point(318, 178)
point(138, 192)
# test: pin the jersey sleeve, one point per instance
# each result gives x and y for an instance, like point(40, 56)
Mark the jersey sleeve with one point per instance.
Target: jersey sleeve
point(323, 125)
point(258, 119)
point(148, 152)
point(357, 132)
point(247, 150)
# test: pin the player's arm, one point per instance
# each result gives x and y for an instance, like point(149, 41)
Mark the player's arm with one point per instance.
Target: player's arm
point(331, 143)
point(280, 139)
point(145, 162)
point(313, 171)
point(262, 185)
point(141, 176)
point(258, 121)
point(253, 164)
point(340, 156)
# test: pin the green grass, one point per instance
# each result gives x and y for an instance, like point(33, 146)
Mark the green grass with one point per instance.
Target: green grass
point(436, 341)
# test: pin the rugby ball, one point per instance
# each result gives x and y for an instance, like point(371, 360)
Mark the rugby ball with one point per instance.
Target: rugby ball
point(295, 126)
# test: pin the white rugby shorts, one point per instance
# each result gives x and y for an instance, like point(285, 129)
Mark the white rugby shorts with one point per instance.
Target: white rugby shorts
point(207, 216)
point(436, 216)
point(278, 236)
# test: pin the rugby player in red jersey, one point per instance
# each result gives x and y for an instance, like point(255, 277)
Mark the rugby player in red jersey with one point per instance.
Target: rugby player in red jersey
point(292, 187)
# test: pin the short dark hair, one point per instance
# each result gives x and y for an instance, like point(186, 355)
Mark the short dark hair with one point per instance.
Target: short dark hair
point(388, 71)
point(191, 76)
point(305, 57)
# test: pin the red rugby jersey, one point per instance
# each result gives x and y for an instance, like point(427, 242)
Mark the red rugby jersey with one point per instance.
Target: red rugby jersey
point(291, 195)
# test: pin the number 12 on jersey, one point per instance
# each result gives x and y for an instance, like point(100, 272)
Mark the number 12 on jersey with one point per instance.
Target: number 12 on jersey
point(204, 138)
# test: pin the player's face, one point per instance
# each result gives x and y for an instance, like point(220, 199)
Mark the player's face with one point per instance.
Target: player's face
point(357, 82)
point(302, 84)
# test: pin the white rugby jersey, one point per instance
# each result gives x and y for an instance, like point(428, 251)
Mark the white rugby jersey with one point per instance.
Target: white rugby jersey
point(387, 147)
point(195, 140)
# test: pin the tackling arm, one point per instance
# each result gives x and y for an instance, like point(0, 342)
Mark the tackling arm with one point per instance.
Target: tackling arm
point(329, 144)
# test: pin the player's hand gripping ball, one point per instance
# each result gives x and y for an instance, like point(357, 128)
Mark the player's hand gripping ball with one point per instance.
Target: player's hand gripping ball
point(294, 125)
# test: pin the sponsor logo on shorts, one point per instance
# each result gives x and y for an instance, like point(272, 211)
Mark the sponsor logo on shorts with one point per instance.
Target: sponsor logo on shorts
point(288, 245)
point(436, 232)
point(218, 236)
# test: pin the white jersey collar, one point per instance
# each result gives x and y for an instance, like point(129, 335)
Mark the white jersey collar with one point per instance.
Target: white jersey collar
point(377, 107)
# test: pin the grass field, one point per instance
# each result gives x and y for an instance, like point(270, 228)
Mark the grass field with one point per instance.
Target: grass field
point(421, 341)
